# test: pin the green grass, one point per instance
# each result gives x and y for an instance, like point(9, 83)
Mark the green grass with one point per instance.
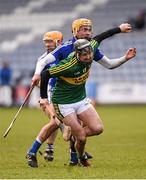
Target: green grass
point(120, 152)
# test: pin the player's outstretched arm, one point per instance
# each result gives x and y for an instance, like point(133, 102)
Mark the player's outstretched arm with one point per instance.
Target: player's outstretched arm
point(114, 63)
point(123, 28)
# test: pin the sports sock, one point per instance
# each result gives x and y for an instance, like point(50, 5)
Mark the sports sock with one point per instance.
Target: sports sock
point(50, 147)
point(72, 144)
point(35, 147)
point(73, 157)
point(73, 153)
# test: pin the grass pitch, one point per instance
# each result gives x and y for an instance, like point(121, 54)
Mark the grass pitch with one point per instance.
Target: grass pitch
point(120, 152)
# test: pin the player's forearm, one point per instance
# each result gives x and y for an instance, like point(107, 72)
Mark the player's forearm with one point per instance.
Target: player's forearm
point(45, 76)
point(41, 63)
point(107, 34)
point(112, 63)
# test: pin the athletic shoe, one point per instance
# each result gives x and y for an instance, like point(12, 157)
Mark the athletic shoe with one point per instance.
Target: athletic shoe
point(73, 159)
point(32, 160)
point(83, 161)
point(48, 155)
point(89, 156)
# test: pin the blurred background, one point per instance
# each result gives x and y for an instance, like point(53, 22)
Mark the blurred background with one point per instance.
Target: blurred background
point(23, 23)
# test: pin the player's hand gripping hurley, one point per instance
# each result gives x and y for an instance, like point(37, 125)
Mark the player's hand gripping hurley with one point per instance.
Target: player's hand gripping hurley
point(16, 115)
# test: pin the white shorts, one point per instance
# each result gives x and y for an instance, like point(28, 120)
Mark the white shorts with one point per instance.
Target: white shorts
point(63, 110)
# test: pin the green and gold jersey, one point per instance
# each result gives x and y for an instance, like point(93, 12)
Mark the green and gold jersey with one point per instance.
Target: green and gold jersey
point(71, 77)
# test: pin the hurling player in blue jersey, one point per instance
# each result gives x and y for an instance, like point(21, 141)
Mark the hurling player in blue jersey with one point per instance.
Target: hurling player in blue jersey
point(81, 28)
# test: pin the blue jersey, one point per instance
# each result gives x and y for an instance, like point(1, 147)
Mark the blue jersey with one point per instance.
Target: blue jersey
point(62, 52)
point(52, 81)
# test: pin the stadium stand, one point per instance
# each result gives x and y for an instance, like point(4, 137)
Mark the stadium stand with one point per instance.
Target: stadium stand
point(7, 6)
point(24, 22)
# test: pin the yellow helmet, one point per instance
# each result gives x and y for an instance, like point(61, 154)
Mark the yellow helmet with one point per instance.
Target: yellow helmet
point(78, 23)
point(53, 35)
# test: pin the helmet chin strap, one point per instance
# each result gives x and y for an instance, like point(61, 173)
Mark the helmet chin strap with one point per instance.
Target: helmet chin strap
point(77, 56)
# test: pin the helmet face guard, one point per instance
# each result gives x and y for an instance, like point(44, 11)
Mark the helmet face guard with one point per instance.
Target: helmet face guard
point(83, 47)
point(85, 50)
point(78, 23)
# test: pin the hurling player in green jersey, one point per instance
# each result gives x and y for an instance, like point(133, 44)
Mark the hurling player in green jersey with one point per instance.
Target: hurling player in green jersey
point(69, 96)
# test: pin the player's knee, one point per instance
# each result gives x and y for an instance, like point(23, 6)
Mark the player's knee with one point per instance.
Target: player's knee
point(100, 129)
point(97, 129)
point(81, 136)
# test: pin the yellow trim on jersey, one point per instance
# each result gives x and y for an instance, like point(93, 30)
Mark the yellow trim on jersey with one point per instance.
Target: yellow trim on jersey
point(77, 80)
point(63, 67)
point(57, 110)
point(93, 43)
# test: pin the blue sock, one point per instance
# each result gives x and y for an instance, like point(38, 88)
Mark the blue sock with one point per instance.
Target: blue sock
point(35, 147)
point(73, 157)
